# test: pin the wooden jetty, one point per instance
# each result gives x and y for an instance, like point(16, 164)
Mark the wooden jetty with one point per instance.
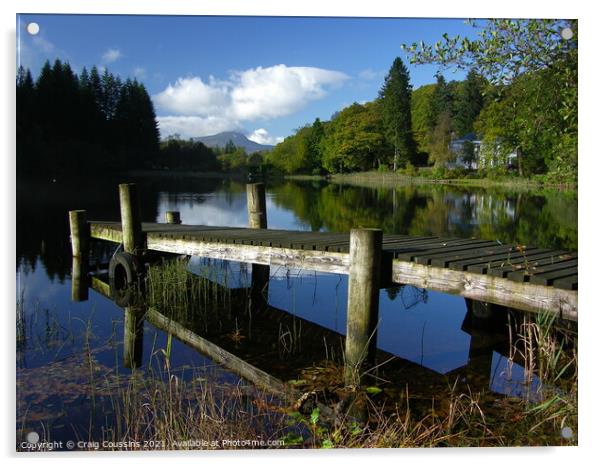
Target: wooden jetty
point(521, 277)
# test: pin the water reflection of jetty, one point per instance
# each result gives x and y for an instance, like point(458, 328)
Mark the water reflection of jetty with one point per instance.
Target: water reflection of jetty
point(521, 277)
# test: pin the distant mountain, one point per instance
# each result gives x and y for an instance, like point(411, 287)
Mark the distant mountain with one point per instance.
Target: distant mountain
point(238, 139)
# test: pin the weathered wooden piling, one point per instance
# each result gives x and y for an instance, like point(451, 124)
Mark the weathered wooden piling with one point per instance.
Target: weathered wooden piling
point(362, 301)
point(258, 218)
point(256, 206)
point(79, 279)
point(172, 217)
point(133, 333)
point(131, 224)
point(80, 233)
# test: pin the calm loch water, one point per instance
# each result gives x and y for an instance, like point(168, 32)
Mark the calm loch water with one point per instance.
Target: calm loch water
point(69, 354)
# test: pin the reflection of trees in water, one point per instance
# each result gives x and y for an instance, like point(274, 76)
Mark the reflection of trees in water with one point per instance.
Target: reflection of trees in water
point(43, 204)
point(546, 219)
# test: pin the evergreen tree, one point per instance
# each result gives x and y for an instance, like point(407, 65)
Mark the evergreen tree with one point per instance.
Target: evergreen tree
point(136, 132)
point(314, 142)
point(111, 90)
point(70, 124)
point(25, 123)
point(395, 97)
point(95, 84)
point(469, 103)
point(441, 102)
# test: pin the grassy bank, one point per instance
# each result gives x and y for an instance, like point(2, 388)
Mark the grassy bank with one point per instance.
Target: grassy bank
point(391, 180)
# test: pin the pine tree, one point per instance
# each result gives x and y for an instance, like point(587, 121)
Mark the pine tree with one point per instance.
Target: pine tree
point(469, 103)
point(316, 136)
point(441, 102)
point(395, 98)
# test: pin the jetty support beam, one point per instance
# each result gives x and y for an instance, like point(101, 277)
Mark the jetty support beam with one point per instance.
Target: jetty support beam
point(80, 233)
point(258, 219)
point(172, 217)
point(362, 302)
point(131, 224)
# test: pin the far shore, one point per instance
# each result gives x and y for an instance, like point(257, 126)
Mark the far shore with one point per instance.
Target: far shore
point(365, 179)
point(391, 180)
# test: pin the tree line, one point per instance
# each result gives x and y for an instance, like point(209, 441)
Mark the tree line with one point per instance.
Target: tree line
point(69, 123)
point(94, 122)
point(401, 128)
point(519, 97)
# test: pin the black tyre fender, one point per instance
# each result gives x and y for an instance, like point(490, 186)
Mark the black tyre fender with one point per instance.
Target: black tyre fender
point(125, 278)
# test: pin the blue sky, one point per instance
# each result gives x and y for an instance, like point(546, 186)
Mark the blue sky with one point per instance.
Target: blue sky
point(263, 76)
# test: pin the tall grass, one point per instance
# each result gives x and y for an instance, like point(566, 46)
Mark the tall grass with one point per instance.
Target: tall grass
point(182, 295)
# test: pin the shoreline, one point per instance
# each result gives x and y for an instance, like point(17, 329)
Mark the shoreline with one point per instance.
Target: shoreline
point(391, 180)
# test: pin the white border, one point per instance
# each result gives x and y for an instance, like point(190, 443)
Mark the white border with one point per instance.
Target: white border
point(589, 240)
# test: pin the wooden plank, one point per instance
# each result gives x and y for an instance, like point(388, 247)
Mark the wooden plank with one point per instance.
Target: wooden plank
point(314, 251)
point(504, 269)
point(445, 259)
point(463, 262)
point(406, 251)
point(524, 296)
point(506, 265)
point(533, 270)
point(332, 262)
point(549, 277)
point(104, 232)
point(567, 283)
point(424, 257)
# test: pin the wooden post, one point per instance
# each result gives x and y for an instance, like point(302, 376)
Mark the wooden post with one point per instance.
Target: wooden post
point(365, 252)
point(172, 217)
point(260, 274)
point(79, 279)
point(133, 333)
point(80, 233)
point(256, 205)
point(131, 224)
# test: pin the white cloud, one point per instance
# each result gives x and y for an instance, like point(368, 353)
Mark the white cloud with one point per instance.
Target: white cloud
point(193, 126)
point(261, 136)
point(43, 44)
point(368, 74)
point(257, 93)
point(191, 96)
point(279, 90)
point(111, 55)
point(139, 72)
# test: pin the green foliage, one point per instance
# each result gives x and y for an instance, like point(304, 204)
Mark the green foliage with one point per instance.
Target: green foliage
point(439, 140)
point(233, 159)
point(396, 110)
point(301, 152)
point(373, 390)
point(355, 140)
point(469, 103)
point(505, 49)
point(421, 107)
point(178, 154)
point(440, 103)
point(535, 70)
